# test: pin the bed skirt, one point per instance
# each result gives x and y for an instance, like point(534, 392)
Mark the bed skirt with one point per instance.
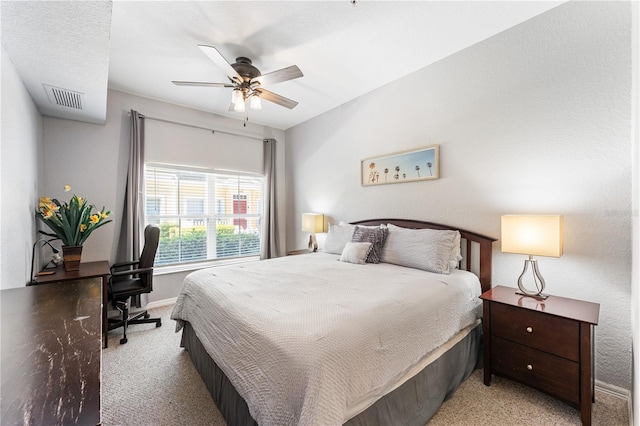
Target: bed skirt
point(413, 403)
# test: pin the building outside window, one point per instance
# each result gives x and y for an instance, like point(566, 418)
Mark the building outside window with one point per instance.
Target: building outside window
point(203, 216)
point(240, 208)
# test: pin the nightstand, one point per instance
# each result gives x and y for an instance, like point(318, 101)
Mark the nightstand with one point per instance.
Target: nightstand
point(546, 344)
point(295, 252)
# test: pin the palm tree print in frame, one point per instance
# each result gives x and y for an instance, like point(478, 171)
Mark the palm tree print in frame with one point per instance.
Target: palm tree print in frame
point(405, 166)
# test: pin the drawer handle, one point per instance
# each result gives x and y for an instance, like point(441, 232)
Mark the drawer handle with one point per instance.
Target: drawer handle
point(529, 367)
point(529, 330)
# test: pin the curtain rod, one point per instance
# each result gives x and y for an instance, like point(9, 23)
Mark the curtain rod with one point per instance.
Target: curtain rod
point(201, 128)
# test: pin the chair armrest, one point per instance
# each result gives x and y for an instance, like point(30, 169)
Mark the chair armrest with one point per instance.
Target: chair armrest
point(131, 272)
point(124, 264)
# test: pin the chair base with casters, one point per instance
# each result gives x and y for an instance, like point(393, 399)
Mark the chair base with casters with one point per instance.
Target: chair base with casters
point(126, 320)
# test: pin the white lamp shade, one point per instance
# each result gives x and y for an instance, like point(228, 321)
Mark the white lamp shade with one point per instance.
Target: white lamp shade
point(255, 103)
point(237, 99)
point(236, 96)
point(239, 106)
point(312, 222)
point(532, 235)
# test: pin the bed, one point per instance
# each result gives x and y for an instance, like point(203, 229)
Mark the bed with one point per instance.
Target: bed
point(312, 340)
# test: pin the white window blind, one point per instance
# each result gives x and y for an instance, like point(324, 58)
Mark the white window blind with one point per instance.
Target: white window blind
point(170, 143)
point(202, 215)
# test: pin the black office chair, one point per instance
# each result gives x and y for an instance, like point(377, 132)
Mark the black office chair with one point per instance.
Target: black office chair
point(135, 279)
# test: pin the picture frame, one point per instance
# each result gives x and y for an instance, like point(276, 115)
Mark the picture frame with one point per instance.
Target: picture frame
point(400, 167)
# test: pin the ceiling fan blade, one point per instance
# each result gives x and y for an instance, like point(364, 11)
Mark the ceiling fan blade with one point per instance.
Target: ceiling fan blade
point(284, 74)
point(200, 83)
point(221, 62)
point(276, 99)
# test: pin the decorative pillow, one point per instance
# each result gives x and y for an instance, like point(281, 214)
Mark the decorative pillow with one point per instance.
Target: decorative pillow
point(355, 253)
point(427, 249)
point(337, 237)
point(376, 236)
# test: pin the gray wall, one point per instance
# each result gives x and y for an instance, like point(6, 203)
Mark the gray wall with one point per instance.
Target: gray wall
point(20, 174)
point(536, 119)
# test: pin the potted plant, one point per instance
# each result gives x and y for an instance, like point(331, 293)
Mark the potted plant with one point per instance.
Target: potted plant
point(72, 223)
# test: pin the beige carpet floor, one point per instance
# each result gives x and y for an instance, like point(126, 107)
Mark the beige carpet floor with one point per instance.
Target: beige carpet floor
point(151, 381)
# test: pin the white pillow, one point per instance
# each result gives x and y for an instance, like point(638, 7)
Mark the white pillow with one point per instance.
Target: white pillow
point(456, 255)
point(427, 249)
point(337, 237)
point(382, 225)
point(355, 253)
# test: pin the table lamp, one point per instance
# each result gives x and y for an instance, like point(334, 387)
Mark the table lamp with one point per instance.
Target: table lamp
point(312, 223)
point(56, 258)
point(534, 236)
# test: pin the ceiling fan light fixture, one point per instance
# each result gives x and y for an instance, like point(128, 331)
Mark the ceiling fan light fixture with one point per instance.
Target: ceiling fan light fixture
point(236, 96)
point(239, 105)
point(237, 99)
point(255, 103)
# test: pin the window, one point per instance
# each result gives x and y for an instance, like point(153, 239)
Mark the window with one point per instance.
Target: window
point(203, 216)
point(153, 206)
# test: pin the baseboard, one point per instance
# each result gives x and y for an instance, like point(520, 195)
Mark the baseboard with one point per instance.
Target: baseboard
point(617, 392)
point(161, 303)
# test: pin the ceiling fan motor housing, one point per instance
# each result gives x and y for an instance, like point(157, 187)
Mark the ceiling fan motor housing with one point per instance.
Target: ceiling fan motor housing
point(245, 69)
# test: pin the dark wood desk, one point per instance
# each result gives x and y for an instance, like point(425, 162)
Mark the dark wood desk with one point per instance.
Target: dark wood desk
point(50, 354)
point(98, 269)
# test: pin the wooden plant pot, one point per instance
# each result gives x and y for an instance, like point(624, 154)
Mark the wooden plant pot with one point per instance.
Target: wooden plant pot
point(71, 256)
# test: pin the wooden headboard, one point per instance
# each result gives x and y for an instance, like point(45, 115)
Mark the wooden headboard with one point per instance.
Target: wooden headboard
point(476, 249)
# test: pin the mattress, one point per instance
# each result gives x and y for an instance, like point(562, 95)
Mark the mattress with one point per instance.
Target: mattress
point(311, 340)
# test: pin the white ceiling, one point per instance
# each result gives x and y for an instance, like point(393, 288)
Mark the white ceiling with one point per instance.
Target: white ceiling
point(62, 44)
point(343, 50)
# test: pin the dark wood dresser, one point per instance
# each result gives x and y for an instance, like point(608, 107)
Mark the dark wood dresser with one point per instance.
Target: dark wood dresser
point(50, 349)
point(546, 344)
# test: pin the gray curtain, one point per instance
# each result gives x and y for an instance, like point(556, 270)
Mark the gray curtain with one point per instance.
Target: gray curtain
point(269, 244)
point(133, 213)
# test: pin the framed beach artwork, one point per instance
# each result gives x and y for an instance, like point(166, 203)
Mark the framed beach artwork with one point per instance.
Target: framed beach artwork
point(406, 166)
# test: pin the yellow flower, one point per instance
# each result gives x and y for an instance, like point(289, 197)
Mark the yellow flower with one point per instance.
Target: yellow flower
point(48, 208)
point(47, 214)
point(94, 218)
point(67, 188)
point(80, 201)
point(104, 215)
point(83, 227)
point(45, 200)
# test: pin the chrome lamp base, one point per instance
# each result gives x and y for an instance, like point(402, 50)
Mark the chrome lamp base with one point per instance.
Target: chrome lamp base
point(313, 243)
point(537, 279)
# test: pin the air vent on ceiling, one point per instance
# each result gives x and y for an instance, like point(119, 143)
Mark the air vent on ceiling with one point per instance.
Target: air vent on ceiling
point(64, 97)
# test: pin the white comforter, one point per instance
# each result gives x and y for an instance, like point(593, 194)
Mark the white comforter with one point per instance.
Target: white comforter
point(304, 338)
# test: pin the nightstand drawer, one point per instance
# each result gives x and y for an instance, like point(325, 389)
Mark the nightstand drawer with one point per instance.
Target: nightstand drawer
point(549, 373)
point(556, 335)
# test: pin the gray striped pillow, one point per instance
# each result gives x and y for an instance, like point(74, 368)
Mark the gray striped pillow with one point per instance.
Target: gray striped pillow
point(375, 236)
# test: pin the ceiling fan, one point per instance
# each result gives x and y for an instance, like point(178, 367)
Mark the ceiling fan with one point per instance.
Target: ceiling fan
point(246, 81)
